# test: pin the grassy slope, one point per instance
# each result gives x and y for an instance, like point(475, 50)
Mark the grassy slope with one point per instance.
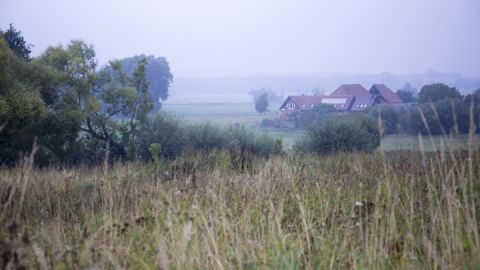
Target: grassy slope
point(384, 210)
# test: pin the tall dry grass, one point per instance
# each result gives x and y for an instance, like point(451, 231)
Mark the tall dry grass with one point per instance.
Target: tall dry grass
point(205, 211)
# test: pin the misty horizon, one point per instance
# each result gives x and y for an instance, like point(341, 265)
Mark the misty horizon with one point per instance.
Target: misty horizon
point(239, 38)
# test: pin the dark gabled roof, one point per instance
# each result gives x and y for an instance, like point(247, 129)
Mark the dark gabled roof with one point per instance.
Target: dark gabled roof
point(350, 90)
point(363, 103)
point(340, 103)
point(385, 92)
point(304, 102)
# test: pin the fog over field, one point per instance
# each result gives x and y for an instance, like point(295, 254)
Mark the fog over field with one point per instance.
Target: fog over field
point(235, 89)
point(219, 50)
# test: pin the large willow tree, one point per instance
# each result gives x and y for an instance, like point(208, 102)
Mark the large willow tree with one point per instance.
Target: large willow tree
point(72, 108)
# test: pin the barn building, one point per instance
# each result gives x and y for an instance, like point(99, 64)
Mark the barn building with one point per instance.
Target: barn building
point(347, 97)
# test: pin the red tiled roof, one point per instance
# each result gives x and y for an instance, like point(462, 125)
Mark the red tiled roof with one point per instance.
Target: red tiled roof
point(303, 102)
point(385, 92)
point(350, 90)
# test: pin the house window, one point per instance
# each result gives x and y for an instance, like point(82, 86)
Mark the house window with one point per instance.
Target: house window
point(290, 105)
point(334, 100)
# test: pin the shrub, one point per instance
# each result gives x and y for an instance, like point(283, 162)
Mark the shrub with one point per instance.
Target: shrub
point(164, 130)
point(343, 133)
point(389, 117)
point(319, 113)
point(166, 136)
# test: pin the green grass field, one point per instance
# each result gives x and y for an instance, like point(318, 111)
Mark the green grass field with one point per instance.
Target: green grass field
point(220, 113)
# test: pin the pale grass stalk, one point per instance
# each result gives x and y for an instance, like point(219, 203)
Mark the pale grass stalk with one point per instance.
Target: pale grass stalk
point(162, 258)
point(306, 231)
point(213, 242)
point(42, 261)
point(25, 176)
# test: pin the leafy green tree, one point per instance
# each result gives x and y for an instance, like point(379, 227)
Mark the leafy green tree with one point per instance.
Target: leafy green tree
point(72, 109)
point(158, 75)
point(17, 43)
point(436, 92)
point(126, 104)
point(272, 96)
point(261, 103)
point(111, 102)
point(21, 107)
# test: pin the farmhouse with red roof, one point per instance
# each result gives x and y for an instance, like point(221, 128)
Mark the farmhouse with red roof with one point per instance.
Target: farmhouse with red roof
point(347, 97)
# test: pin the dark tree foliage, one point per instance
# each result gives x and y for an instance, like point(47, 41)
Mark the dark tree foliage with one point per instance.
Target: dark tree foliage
point(407, 87)
point(17, 43)
point(406, 96)
point(388, 116)
point(442, 117)
point(319, 113)
point(261, 103)
point(158, 76)
point(272, 96)
point(474, 98)
point(436, 92)
point(33, 104)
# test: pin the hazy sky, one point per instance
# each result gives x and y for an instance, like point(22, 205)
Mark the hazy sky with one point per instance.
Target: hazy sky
point(222, 37)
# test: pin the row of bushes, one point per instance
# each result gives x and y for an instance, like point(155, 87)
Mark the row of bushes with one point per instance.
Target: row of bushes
point(165, 136)
point(169, 137)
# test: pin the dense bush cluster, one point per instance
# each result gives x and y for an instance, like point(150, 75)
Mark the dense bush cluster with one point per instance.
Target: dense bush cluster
point(343, 133)
point(172, 137)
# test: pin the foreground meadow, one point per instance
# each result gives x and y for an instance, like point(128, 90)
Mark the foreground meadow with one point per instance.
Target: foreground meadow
point(229, 210)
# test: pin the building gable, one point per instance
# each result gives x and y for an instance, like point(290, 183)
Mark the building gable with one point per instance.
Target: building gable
point(386, 93)
point(350, 90)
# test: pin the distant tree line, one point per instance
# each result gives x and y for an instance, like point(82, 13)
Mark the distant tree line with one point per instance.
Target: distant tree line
point(441, 109)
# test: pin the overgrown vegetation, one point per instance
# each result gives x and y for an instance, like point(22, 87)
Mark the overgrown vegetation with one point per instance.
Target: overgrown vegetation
point(200, 211)
point(345, 133)
point(75, 111)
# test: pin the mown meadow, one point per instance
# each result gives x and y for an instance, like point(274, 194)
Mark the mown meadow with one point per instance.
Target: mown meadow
point(234, 209)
